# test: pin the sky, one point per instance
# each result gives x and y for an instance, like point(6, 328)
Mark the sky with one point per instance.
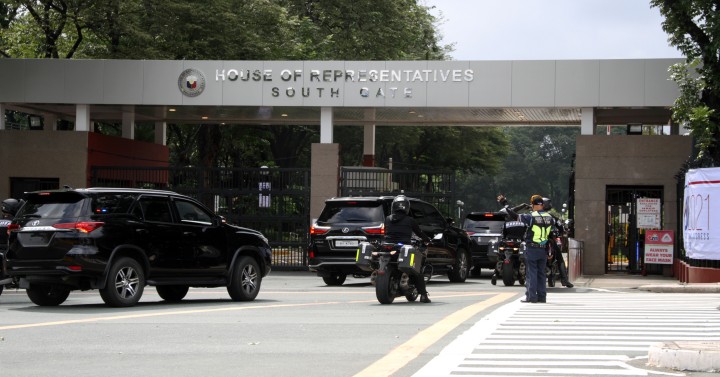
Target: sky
point(552, 29)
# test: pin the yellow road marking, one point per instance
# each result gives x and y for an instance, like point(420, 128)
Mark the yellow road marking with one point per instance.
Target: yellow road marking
point(406, 352)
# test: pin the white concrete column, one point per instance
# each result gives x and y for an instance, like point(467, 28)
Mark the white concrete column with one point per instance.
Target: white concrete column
point(587, 121)
point(82, 117)
point(128, 122)
point(369, 139)
point(2, 117)
point(50, 122)
point(161, 133)
point(326, 125)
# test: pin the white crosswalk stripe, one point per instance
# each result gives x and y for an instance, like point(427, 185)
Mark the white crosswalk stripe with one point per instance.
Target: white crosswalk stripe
point(577, 334)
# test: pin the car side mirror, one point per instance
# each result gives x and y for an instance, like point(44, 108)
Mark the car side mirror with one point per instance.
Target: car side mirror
point(450, 220)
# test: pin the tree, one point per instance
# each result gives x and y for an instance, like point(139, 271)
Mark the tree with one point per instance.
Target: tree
point(694, 28)
point(539, 161)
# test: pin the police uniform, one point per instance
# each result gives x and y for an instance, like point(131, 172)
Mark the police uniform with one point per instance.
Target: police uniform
point(539, 225)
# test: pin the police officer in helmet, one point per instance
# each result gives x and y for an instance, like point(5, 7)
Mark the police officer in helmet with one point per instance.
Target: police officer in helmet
point(399, 228)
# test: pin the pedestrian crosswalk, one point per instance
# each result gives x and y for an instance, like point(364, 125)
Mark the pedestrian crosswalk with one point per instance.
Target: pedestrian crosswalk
point(578, 334)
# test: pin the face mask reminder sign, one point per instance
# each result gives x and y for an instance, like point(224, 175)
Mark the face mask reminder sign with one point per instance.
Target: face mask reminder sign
point(659, 246)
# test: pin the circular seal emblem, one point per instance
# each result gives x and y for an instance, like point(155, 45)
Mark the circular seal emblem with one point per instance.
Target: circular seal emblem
point(191, 82)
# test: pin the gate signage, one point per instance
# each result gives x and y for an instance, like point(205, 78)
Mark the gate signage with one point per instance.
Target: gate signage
point(648, 213)
point(659, 246)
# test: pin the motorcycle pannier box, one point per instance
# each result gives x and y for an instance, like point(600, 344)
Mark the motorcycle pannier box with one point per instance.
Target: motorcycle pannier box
point(410, 260)
point(364, 256)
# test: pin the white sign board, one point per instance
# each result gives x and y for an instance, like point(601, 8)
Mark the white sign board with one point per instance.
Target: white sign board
point(264, 198)
point(701, 214)
point(648, 213)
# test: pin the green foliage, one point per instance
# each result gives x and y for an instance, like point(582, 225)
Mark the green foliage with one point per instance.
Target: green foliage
point(693, 27)
point(539, 161)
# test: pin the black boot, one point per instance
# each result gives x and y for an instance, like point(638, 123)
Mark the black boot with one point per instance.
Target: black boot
point(564, 277)
point(424, 298)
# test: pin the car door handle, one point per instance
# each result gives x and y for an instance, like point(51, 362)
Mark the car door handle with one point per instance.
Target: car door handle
point(189, 234)
point(141, 231)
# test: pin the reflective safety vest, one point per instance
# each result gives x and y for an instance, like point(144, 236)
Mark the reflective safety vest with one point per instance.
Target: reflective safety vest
point(541, 224)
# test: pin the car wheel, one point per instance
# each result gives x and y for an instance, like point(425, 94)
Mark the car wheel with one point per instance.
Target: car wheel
point(47, 295)
point(172, 292)
point(125, 283)
point(246, 280)
point(461, 268)
point(335, 279)
point(1, 289)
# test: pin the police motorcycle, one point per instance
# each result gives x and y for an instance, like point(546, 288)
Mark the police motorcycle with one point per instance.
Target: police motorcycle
point(9, 208)
point(392, 266)
point(508, 251)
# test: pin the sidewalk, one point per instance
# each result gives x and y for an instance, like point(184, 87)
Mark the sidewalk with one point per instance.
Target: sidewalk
point(652, 283)
point(686, 355)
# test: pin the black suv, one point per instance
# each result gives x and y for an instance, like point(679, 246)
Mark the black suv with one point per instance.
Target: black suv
point(119, 240)
point(483, 228)
point(345, 222)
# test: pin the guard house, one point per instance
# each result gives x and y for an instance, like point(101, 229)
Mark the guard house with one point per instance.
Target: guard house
point(67, 96)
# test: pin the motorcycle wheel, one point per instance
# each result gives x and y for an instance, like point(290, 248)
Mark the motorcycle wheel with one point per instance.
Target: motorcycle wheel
point(508, 274)
point(412, 295)
point(386, 288)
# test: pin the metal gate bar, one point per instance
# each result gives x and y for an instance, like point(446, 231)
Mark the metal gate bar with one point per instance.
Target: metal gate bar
point(275, 201)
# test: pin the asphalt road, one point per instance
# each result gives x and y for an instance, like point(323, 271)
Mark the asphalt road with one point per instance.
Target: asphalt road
point(297, 325)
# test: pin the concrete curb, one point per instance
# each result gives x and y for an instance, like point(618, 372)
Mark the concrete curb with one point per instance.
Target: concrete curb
point(697, 356)
point(682, 288)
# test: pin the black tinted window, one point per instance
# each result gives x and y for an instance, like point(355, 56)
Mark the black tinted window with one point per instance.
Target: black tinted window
point(426, 214)
point(484, 223)
point(360, 211)
point(156, 209)
point(191, 213)
point(53, 205)
point(111, 203)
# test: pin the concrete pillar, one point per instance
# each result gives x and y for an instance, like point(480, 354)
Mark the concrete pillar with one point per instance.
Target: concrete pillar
point(2, 117)
point(369, 139)
point(128, 122)
point(587, 121)
point(161, 133)
point(82, 118)
point(50, 122)
point(326, 125)
point(324, 175)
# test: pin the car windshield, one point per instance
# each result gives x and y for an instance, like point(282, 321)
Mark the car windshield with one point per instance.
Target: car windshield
point(56, 205)
point(349, 212)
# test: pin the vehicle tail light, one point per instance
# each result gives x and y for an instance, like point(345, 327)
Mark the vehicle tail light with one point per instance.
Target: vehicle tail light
point(81, 226)
point(375, 229)
point(469, 233)
point(311, 253)
point(74, 268)
point(316, 229)
point(12, 227)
